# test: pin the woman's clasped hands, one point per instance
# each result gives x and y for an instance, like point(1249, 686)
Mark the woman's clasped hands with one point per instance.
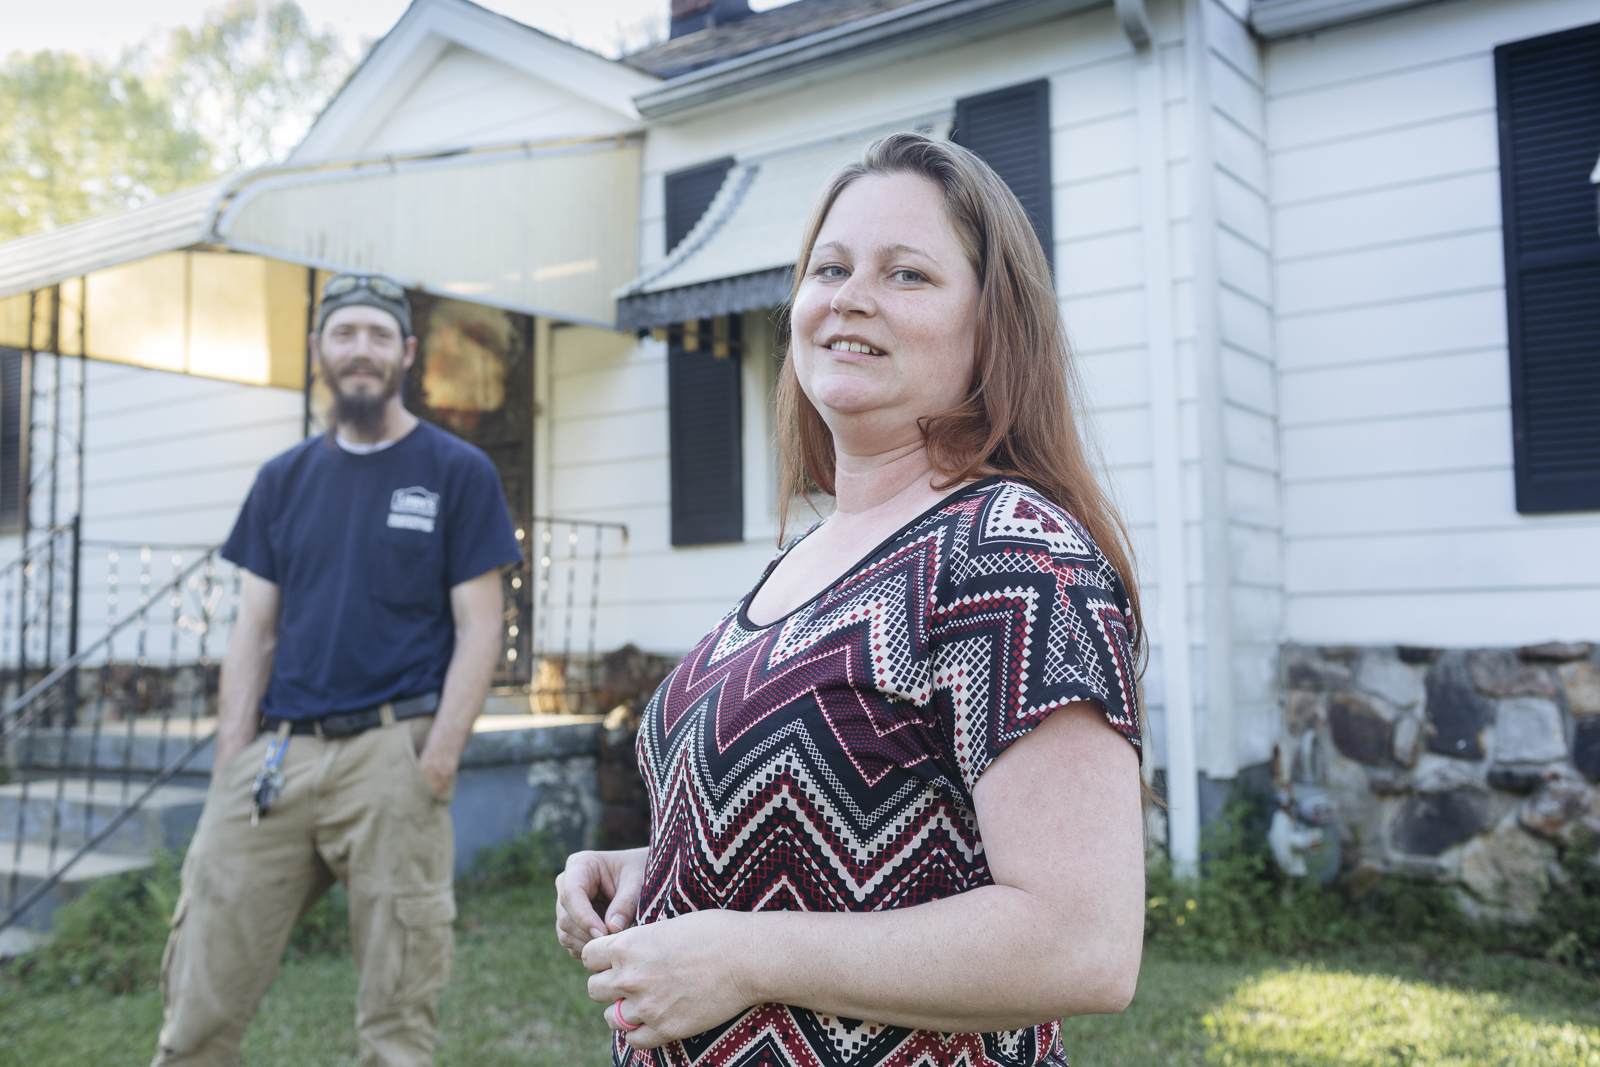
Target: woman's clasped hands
point(668, 980)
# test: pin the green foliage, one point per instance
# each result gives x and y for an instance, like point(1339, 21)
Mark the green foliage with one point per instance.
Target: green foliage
point(78, 138)
point(324, 930)
point(251, 79)
point(1568, 927)
point(517, 998)
point(111, 936)
point(532, 859)
point(1242, 907)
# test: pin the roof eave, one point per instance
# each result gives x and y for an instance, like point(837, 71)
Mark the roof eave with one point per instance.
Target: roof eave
point(1285, 18)
point(926, 23)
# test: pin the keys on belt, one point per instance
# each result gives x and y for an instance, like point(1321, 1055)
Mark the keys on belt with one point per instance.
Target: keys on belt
point(268, 783)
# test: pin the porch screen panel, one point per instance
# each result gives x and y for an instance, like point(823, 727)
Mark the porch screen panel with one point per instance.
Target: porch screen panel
point(707, 462)
point(1549, 110)
point(688, 193)
point(1009, 129)
point(13, 411)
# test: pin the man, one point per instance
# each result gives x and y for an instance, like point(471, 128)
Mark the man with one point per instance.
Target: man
point(367, 631)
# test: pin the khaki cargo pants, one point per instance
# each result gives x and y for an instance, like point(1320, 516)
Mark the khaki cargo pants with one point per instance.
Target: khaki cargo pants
point(356, 810)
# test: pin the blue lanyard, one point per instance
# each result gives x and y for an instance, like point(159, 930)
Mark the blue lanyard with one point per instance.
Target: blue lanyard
point(268, 782)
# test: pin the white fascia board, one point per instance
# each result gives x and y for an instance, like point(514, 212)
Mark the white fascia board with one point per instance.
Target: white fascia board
point(1283, 18)
point(602, 81)
point(418, 40)
point(916, 28)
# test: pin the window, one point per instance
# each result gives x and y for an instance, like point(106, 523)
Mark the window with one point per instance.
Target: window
point(1549, 103)
point(688, 194)
point(13, 460)
point(1009, 129)
point(705, 427)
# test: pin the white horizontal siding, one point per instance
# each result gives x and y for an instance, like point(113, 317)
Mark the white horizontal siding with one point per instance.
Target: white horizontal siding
point(169, 457)
point(1460, 618)
point(168, 460)
point(1399, 518)
point(608, 460)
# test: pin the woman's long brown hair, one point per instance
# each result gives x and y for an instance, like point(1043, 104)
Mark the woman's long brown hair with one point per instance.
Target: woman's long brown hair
point(1017, 419)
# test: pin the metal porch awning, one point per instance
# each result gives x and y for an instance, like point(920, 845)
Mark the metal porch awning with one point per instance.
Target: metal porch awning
point(740, 255)
point(548, 229)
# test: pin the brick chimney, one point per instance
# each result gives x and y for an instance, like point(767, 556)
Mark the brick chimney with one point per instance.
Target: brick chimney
point(688, 16)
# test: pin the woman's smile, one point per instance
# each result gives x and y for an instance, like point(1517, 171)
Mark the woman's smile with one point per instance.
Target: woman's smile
point(855, 346)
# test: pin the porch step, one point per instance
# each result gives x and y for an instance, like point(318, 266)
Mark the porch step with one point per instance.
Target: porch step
point(165, 820)
point(33, 867)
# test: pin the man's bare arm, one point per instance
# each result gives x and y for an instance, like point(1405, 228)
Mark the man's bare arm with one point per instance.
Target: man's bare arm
point(247, 667)
point(477, 606)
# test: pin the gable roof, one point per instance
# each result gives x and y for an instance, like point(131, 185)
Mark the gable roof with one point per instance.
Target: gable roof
point(423, 34)
point(705, 47)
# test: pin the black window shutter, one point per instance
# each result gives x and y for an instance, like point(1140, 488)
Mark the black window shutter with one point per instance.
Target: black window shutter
point(13, 467)
point(1549, 105)
point(1009, 129)
point(705, 428)
point(688, 194)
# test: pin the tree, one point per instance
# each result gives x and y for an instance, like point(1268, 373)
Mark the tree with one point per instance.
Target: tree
point(252, 80)
point(78, 138)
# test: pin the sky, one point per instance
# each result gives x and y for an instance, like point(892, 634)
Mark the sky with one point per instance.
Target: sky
point(103, 28)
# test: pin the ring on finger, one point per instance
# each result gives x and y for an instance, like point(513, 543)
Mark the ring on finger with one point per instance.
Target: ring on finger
point(615, 1012)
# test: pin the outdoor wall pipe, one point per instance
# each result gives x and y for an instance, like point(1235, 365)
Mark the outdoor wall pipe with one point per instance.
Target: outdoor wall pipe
point(1220, 743)
point(1171, 618)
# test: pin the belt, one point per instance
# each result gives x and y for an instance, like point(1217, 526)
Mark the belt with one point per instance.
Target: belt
point(350, 723)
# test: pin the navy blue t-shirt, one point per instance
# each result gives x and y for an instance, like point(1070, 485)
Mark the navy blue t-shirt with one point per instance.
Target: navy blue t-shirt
point(364, 550)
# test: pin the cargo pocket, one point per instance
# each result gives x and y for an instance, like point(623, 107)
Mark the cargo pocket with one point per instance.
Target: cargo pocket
point(429, 944)
point(169, 955)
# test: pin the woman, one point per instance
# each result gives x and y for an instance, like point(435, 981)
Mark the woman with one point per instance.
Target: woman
point(900, 781)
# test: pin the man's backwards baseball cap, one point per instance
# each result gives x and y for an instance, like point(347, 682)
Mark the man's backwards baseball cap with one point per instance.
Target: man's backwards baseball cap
point(374, 290)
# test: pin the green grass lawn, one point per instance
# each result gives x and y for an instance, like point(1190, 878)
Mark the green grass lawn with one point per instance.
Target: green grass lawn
point(517, 999)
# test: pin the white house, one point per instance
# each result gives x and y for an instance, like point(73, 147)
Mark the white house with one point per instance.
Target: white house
point(1331, 269)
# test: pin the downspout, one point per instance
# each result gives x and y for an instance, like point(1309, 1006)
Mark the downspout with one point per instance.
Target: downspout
point(1221, 756)
point(1171, 621)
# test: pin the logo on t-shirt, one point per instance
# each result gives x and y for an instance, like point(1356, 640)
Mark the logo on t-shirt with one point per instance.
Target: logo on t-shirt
point(413, 509)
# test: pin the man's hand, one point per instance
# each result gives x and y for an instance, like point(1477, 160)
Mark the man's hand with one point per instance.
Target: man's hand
point(438, 766)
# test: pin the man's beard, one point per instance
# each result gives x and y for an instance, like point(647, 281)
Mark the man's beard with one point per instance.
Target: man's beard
point(363, 412)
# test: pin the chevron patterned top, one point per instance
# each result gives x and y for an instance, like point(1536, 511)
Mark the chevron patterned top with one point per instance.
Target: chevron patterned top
point(826, 762)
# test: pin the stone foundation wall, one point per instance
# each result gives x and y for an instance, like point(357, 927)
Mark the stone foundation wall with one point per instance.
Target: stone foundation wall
point(1465, 766)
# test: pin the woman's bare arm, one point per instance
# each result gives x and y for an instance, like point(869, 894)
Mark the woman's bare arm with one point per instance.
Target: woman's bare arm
point(1058, 934)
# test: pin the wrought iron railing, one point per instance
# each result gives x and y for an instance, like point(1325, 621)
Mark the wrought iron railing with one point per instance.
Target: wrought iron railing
point(553, 612)
point(99, 712)
point(96, 720)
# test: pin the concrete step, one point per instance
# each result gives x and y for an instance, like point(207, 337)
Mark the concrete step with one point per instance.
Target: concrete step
point(144, 746)
point(35, 864)
point(165, 820)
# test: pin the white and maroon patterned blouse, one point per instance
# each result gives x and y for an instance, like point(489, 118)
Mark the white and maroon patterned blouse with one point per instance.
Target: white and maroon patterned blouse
point(826, 762)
